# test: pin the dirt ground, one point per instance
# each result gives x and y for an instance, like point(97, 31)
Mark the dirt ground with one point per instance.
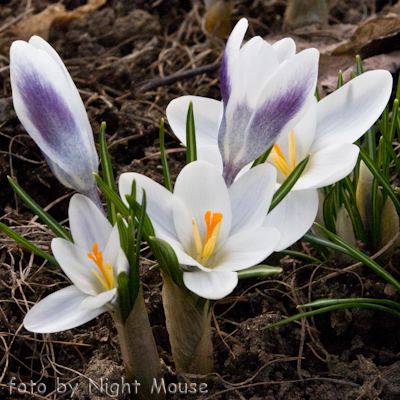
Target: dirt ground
point(116, 55)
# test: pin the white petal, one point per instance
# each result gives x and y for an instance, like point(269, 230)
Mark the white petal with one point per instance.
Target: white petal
point(92, 302)
point(293, 216)
point(328, 166)
point(285, 49)
point(200, 188)
point(88, 224)
point(113, 247)
point(159, 200)
point(77, 266)
point(207, 118)
point(251, 197)
point(229, 70)
point(211, 285)
point(211, 155)
point(246, 249)
point(257, 63)
point(347, 113)
point(60, 311)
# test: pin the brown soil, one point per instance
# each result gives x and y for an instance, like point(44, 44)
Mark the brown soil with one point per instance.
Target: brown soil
point(348, 354)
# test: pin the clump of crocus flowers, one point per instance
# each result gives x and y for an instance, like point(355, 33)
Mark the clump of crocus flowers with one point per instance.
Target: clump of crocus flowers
point(217, 221)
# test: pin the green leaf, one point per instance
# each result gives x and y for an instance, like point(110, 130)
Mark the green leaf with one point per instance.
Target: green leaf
point(108, 174)
point(134, 245)
point(164, 162)
point(359, 67)
point(167, 259)
point(354, 216)
point(316, 240)
point(123, 233)
point(114, 198)
point(350, 304)
point(43, 215)
point(134, 275)
point(376, 214)
point(330, 302)
point(148, 229)
point(288, 184)
point(317, 96)
point(191, 152)
point(358, 255)
point(329, 210)
point(302, 256)
point(123, 296)
point(259, 270)
point(27, 244)
point(262, 158)
point(380, 178)
point(340, 80)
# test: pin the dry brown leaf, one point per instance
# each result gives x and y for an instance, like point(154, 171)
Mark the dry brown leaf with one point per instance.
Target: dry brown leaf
point(54, 14)
point(38, 24)
point(377, 35)
point(328, 83)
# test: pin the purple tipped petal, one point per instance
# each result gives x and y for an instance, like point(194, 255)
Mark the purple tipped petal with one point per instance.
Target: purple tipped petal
point(228, 60)
point(49, 106)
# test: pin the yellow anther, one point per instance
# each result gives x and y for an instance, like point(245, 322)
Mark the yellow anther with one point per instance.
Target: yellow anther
point(105, 268)
point(292, 151)
point(279, 159)
point(199, 245)
point(213, 223)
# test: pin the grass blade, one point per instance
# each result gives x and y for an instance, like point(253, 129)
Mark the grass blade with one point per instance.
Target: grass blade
point(191, 152)
point(288, 184)
point(108, 174)
point(164, 162)
point(27, 244)
point(43, 215)
point(358, 255)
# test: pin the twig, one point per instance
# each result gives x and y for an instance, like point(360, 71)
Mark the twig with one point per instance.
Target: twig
point(150, 84)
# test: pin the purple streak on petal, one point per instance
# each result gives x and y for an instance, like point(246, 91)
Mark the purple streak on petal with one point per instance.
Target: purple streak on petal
point(231, 131)
point(51, 116)
point(230, 57)
point(225, 83)
point(267, 122)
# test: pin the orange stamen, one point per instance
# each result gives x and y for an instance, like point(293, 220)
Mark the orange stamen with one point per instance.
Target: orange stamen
point(211, 223)
point(98, 259)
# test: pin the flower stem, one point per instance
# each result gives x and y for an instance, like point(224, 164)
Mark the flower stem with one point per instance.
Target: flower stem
point(189, 328)
point(139, 350)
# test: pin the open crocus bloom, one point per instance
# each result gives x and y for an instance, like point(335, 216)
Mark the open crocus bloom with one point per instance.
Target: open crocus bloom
point(92, 263)
point(49, 106)
point(214, 230)
point(326, 133)
point(265, 90)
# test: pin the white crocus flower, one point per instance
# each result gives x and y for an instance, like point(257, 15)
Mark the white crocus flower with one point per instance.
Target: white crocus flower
point(326, 133)
point(49, 106)
point(214, 230)
point(265, 90)
point(92, 263)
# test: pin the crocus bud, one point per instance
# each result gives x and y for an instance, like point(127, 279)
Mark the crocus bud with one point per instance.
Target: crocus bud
point(50, 108)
